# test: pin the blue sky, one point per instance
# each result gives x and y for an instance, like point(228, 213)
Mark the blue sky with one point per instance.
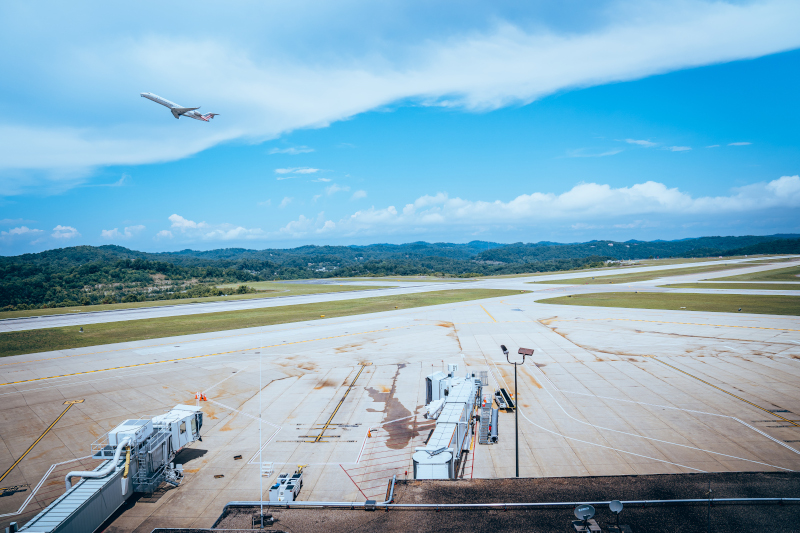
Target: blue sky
point(356, 123)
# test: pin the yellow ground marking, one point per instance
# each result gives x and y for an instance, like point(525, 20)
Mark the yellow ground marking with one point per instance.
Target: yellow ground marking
point(488, 313)
point(204, 355)
point(46, 431)
point(726, 392)
point(356, 318)
point(683, 323)
point(325, 427)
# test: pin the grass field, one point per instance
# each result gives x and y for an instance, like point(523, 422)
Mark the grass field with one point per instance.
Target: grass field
point(747, 286)
point(720, 303)
point(642, 276)
point(40, 340)
point(274, 289)
point(781, 274)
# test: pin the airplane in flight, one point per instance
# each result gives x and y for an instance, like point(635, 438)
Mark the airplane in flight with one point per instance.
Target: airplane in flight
point(178, 111)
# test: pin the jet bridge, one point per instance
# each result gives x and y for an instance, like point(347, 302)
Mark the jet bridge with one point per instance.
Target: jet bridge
point(451, 401)
point(138, 457)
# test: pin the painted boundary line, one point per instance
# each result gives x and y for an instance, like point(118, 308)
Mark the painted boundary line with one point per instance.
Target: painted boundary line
point(681, 323)
point(795, 424)
point(46, 431)
point(189, 358)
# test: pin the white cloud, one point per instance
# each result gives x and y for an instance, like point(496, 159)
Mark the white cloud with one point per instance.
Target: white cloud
point(322, 180)
point(178, 222)
point(266, 87)
point(286, 201)
point(316, 197)
point(646, 144)
point(281, 178)
point(20, 231)
point(584, 202)
point(307, 226)
point(294, 150)
point(193, 231)
point(359, 194)
point(739, 144)
point(637, 206)
point(333, 189)
point(296, 170)
point(265, 203)
point(713, 146)
point(64, 232)
point(129, 232)
point(679, 148)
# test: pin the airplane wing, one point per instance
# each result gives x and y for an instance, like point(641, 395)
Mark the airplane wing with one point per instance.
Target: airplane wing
point(178, 111)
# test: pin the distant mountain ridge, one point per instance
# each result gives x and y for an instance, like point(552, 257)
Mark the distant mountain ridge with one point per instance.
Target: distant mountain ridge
point(89, 275)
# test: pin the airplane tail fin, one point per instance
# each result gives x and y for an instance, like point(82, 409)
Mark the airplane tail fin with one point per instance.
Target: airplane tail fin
point(209, 116)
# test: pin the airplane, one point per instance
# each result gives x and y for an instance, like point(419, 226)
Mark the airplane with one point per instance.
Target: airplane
point(178, 111)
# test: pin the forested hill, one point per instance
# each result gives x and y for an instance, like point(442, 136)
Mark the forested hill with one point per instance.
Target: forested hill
point(89, 275)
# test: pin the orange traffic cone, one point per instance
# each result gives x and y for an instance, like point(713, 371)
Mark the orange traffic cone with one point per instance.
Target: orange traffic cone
point(369, 433)
point(204, 397)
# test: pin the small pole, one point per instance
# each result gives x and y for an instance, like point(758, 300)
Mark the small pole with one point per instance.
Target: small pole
point(260, 458)
point(709, 506)
point(516, 415)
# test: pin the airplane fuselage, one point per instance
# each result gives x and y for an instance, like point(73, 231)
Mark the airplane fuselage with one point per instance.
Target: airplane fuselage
point(178, 110)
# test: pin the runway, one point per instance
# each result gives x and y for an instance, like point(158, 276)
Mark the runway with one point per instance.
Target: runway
point(400, 287)
point(608, 392)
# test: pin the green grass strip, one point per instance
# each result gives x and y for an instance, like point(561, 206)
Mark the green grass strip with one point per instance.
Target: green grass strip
point(42, 340)
point(718, 303)
point(734, 286)
point(780, 274)
point(272, 290)
point(641, 276)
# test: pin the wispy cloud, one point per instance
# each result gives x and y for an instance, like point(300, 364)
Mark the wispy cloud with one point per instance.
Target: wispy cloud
point(281, 178)
point(286, 201)
point(119, 183)
point(479, 67)
point(713, 146)
point(743, 143)
point(322, 180)
point(585, 152)
point(163, 234)
point(296, 170)
point(294, 150)
point(358, 195)
point(646, 144)
point(333, 189)
point(679, 148)
point(21, 231)
point(265, 203)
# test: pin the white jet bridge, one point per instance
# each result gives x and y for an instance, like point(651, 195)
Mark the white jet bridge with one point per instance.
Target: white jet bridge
point(452, 402)
point(138, 458)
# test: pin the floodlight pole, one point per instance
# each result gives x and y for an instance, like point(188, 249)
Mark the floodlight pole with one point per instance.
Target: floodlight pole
point(523, 352)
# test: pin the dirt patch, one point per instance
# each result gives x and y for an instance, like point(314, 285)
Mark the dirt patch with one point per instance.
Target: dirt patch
point(350, 347)
point(325, 383)
point(453, 334)
point(401, 432)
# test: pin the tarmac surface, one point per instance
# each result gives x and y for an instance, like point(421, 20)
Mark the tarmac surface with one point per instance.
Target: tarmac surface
point(609, 392)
